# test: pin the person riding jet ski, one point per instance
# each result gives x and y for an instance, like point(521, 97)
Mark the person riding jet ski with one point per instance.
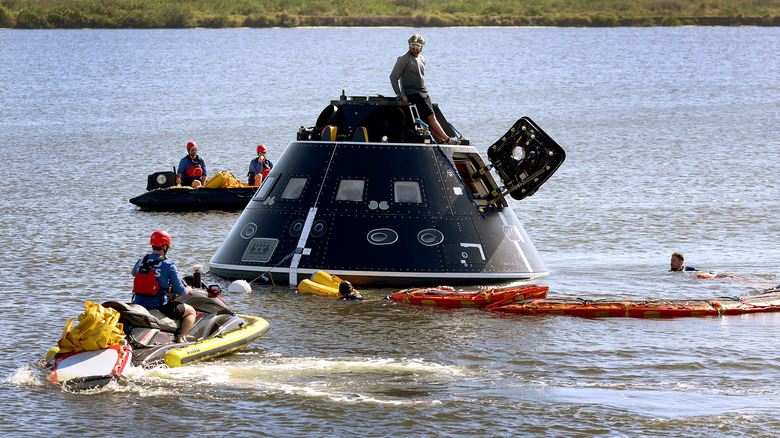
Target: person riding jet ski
point(157, 283)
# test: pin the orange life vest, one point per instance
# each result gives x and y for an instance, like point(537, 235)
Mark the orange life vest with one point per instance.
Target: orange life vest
point(195, 170)
point(145, 283)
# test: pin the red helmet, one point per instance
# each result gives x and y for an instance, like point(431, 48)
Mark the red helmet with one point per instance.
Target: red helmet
point(191, 145)
point(261, 148)
point(160, 238)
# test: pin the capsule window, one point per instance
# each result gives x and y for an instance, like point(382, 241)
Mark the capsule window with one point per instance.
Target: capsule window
point(265, 188)
point(294, 188)
point(350, 190)
point(407, 192)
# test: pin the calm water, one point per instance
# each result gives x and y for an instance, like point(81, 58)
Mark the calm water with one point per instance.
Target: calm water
point(672, 138)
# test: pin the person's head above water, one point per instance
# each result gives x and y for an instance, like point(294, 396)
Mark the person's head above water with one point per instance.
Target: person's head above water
point(345, 288)
point(677, 261)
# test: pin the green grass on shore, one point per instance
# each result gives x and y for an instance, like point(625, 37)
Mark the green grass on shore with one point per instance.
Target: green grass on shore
point(48, 14)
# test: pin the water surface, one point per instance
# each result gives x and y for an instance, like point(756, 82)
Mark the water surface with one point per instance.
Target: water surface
point(671, 136)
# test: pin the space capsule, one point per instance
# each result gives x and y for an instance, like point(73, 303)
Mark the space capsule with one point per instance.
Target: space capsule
point(367, 195)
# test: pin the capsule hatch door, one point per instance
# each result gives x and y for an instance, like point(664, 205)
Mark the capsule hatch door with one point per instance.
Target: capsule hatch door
point(525, 157)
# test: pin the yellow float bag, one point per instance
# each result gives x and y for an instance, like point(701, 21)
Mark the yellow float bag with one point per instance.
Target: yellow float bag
point(98, 328)
point(223, 180)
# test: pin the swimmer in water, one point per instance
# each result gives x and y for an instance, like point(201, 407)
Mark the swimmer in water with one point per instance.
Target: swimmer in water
point(677, 263)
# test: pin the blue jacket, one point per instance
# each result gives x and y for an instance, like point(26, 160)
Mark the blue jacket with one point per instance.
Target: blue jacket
point(167, 276)
point(187, 165)
point(257, 168)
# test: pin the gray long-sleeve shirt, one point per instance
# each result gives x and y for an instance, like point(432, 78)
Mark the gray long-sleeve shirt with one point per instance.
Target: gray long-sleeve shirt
point(410, 70)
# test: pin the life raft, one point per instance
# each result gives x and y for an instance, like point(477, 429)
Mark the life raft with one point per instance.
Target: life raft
point(766, 302)
point(446, 296)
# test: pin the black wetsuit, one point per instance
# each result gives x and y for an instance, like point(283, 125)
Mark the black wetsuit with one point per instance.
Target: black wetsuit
point(354, 296)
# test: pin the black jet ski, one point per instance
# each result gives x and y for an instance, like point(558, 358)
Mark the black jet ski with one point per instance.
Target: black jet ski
point(150, 341)
point(367, 195)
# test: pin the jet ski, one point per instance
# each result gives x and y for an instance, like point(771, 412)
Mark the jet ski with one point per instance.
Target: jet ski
point(150, 340)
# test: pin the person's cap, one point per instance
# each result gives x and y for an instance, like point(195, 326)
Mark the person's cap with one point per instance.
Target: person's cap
point(261, 148)
point(191, 145)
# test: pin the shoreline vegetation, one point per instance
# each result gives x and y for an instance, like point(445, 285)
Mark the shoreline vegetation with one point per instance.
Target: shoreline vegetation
point(182, 14)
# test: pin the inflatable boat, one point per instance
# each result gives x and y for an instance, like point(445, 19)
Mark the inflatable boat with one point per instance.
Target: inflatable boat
point(143, 337)
point(765, 302)
point(366, 194)
point(217, 194)
point(446, 296)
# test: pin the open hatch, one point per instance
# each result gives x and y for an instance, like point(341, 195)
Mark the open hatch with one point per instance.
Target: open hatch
point(525, 157)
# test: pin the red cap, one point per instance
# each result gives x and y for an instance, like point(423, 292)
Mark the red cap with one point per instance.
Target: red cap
point(261, 148)
point(191, 145)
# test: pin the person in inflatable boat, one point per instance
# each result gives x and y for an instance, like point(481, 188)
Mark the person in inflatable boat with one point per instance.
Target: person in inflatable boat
point(677, 263)
point(346, 292)
point(192, 168)
point(157, 284)
point(259, 166)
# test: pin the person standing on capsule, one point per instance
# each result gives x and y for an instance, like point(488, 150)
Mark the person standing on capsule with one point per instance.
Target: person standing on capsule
point(259, 167)
point(409, 72)
point(192, 168)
